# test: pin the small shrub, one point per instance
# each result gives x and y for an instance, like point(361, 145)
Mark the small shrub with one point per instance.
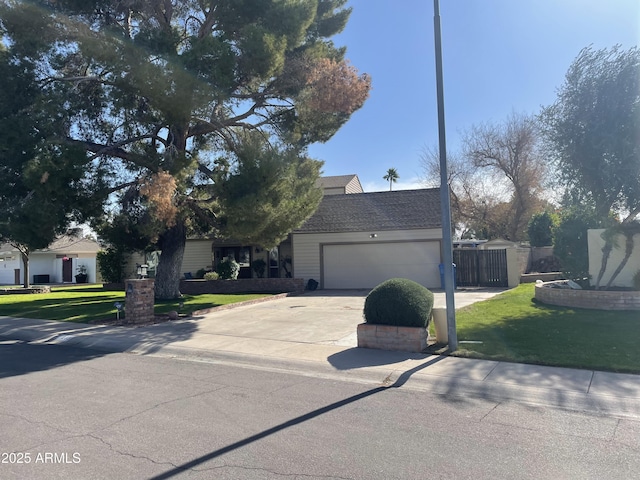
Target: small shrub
point(111, 263)
point(570, 244)
point(200, 273)
point(540, 228)
point(399, 302)
point(636, 281)
point(228, 269)
point(211, 276)
point(259, 266)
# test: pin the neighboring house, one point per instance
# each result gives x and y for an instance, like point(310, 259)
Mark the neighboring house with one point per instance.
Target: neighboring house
point(58, 263)
point(340, 184)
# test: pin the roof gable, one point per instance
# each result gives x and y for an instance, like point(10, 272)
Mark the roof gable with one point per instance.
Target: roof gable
point(64, 244)
point(399, 210)
point(348, 183)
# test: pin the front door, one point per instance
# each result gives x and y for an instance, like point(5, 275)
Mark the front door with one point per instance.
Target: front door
point(16, 276)
point(67, 270)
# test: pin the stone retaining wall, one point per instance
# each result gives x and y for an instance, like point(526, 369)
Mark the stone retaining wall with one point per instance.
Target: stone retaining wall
point(21, 290)
point(594, 299)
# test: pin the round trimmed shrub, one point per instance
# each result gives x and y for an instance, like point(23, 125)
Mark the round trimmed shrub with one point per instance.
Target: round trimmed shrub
point(400, 302)
point(211, 276)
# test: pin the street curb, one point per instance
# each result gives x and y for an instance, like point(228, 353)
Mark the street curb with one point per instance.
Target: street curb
point(386, 373)
point(382, 375)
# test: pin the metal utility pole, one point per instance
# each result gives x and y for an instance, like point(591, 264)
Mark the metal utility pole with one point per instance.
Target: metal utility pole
point(447, 243)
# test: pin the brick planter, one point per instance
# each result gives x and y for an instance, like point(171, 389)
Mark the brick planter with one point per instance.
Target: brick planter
point(388, 337)
point(245, 285)
point(593, 299)
point(139, 300)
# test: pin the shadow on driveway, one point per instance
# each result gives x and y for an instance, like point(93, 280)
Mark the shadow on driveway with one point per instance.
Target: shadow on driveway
point(366, 357)
point(53, 344)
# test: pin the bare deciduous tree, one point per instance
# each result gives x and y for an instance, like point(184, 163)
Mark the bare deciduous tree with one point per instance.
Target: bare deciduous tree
point(496, 182)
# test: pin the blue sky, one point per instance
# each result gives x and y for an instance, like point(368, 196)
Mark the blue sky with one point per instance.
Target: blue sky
point(499, 56)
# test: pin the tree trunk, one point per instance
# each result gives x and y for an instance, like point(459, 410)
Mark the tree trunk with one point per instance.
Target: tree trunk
point(172, 243)
point(25, 263)
point(627, 254)
point(606, 252)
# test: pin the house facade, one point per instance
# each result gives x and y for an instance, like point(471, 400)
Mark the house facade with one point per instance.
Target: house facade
point(207, 253)
point(60, 262)
point(354, 240)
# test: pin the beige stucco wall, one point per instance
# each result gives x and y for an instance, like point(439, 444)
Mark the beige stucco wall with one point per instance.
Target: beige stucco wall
point(307, 250)
point(134, 259)
point(513, 267)
point(523, 259)
point(595, 244)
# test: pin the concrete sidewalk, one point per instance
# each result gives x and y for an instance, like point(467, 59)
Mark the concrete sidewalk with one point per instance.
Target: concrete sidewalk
point(314, 335)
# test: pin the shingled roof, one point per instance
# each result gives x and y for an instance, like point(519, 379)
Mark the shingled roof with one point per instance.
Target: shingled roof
point(63, 244)
point(399, 210)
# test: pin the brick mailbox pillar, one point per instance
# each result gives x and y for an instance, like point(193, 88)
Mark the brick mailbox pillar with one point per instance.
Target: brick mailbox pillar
point(139, 300)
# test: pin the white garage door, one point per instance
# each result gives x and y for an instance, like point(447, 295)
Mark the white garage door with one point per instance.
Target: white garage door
point(365, 265)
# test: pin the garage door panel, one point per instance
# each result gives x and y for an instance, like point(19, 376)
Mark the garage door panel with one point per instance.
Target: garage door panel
point(368, 264)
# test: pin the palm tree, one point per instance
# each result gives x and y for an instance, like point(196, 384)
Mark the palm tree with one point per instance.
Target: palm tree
point(391, 176)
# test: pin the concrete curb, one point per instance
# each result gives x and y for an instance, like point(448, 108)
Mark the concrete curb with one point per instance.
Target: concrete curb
point(437, 375)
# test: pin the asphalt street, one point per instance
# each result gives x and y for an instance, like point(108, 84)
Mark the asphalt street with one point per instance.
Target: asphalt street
point(77, 413)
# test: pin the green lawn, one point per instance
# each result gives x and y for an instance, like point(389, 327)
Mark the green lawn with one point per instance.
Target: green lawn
point(87, 303)
point(514, 327)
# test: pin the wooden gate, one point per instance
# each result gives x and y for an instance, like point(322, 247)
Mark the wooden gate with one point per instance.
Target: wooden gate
point(481, 268)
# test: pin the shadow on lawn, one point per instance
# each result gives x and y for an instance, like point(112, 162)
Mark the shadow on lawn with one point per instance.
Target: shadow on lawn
point(558, 336)
point(76, 308)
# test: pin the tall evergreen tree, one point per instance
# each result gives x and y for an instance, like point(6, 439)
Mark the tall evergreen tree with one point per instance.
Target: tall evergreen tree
point(45, 186)
point(197, 113)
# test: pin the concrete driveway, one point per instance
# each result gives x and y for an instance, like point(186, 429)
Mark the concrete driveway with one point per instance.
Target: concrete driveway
point(323, 317)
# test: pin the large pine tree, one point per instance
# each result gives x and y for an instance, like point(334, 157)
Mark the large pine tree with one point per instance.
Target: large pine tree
point(195, 113)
